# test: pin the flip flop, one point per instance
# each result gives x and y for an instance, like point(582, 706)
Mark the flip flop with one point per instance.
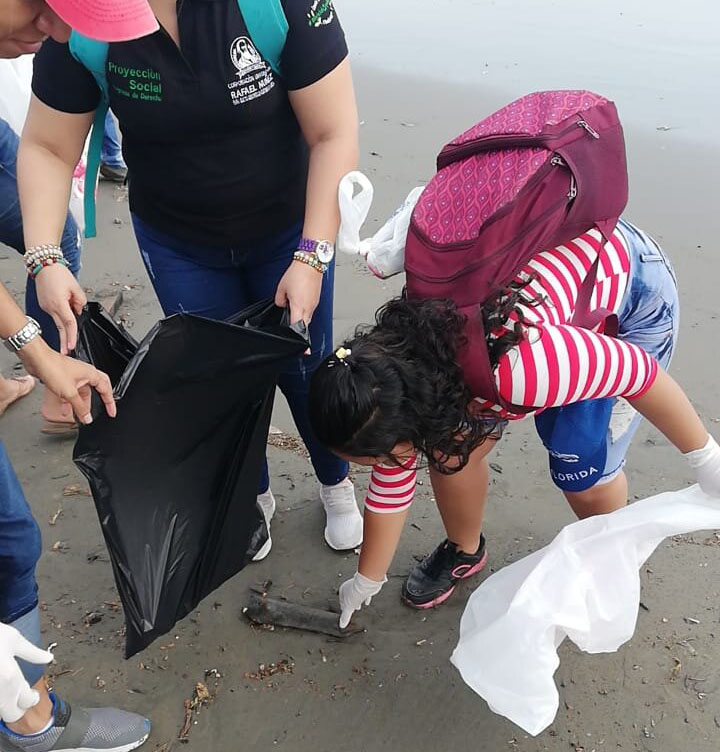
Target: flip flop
point(59, 427)
point(25, 385)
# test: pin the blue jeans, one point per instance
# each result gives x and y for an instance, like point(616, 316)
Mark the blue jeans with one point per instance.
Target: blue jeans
point(11, 230)
point(20, 548)
point(649, 318)
point(218, 282)
point(111, 153)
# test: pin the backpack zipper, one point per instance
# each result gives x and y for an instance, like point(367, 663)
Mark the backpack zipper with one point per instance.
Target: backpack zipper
point(558, 161)
point(588, 128)
point(521, 141)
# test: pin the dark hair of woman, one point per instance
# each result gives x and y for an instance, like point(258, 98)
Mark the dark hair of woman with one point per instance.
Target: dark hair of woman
point(399, 381)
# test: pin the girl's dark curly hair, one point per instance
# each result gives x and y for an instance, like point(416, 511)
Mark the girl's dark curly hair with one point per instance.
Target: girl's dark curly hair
point(401, 382)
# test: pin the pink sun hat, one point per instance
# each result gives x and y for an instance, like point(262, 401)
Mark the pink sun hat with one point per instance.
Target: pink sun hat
point(107, 20)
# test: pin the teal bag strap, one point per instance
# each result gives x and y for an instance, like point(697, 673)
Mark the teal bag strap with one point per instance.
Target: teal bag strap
point(93, 56)
point(267, 24)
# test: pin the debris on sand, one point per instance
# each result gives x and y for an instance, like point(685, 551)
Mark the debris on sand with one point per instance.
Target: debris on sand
point(75, 490)
point(92, 617)
point(266, 670)
point(202, 697)
point(272, 611)
point(281, 440)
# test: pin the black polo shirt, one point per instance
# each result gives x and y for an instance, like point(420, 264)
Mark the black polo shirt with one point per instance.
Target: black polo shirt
point(213, 148)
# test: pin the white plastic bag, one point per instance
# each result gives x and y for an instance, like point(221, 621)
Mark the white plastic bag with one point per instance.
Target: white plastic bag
point(15, 91)
point(584, 585)
point(384, 251)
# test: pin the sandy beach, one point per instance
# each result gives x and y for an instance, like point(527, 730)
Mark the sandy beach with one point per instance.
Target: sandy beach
point(393, 687)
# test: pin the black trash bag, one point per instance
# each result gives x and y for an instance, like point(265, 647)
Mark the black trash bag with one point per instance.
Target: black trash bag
point(175, 476)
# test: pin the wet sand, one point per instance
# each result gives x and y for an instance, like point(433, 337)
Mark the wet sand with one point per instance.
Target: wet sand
point(393, 687)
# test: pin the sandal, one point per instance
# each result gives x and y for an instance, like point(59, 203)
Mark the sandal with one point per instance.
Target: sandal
point(59, 427)
point(25, 385)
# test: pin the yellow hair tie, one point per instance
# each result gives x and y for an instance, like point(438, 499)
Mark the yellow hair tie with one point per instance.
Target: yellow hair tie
point(342, 352)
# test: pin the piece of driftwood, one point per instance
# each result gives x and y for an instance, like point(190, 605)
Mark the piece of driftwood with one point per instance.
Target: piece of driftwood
point(112, 303)
point(279, 613)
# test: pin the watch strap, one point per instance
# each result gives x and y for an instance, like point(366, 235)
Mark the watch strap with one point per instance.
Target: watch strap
point(24, 336)
point(307, 245)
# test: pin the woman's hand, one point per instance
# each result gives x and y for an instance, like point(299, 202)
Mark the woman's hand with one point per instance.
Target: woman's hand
point(71, 380)
point(300, 288)
point(60, 295)
point(355, 593)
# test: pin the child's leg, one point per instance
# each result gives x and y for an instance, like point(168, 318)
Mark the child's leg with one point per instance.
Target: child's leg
point(601, 498)
point(461, 498)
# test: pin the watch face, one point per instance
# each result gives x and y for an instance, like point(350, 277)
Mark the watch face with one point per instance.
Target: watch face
point(325, 251)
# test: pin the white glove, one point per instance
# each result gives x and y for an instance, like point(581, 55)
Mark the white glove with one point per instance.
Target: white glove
point(706, 464)
point(16, 696)
point(354, 593)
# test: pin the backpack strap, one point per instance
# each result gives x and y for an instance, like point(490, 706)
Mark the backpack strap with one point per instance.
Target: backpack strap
point(587, 317)
point(93, 56)
point(268, 27)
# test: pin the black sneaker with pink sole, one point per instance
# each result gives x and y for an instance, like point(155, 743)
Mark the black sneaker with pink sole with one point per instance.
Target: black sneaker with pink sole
point(433, 580)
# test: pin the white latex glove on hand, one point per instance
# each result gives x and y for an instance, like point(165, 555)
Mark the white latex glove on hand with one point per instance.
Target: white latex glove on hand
point(354, 593)
point(706, 464)
point(16, 695)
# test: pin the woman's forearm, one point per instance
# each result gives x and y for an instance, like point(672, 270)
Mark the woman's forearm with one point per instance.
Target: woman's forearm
point(327, 114)
point(381, 535)
point(330, 161)
point(51, 146)
point(12, 319)
point(667, 407)
point(44, 183)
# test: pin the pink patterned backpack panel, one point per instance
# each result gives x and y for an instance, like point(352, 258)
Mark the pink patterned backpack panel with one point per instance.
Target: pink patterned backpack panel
point(467, 192)
point(463, 196)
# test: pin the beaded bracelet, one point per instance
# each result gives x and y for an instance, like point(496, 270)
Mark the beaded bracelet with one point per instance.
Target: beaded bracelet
point(46, 262)
point(311, 260)
point(47, 249)
point(39, 254)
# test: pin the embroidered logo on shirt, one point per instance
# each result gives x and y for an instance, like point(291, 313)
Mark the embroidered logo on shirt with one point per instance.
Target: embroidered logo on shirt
point(135, 83)
point(321, 13)
point(254, 76)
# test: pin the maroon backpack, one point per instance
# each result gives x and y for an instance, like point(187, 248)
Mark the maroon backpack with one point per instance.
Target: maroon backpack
point(535, 174)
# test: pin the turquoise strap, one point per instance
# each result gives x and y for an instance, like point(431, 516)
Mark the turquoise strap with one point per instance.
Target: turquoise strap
point(93, 56)
point(268, 28)
point(92, 169)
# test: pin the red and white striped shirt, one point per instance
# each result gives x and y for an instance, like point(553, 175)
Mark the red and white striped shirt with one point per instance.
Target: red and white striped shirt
point(392, 487)
point(557, 363)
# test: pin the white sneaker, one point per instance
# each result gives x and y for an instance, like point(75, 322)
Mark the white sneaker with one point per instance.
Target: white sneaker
point(344, 528)
point(266, 502)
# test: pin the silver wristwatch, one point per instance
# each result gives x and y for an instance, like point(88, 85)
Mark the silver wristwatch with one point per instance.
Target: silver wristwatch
point(24, 336)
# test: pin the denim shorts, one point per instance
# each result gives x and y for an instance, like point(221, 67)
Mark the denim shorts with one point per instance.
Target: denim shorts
point(649, 318)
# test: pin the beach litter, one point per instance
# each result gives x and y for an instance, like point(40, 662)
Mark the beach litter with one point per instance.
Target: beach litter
point(264, 610)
